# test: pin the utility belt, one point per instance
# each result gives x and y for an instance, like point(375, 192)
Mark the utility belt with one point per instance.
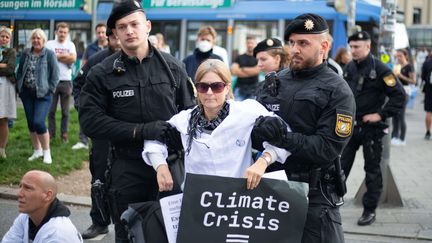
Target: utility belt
point(313, 177)
point(332, 176)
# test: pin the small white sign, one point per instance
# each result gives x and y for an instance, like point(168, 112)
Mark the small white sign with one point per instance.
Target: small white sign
point(171, 207)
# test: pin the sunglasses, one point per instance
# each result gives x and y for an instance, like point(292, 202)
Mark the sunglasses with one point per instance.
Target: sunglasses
point(216, 87)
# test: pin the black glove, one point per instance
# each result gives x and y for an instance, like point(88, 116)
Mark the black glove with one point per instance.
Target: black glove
point(271, 129)
point(173, 139)
point(155, 130)
point(271, 83)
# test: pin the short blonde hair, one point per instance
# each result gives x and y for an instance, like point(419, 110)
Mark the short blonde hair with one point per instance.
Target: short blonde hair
point(6, 30)
point(219, 68)
point(207, 30)
point(39, 32)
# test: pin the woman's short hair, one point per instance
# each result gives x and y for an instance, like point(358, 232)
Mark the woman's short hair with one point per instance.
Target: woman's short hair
point(39, 32)
point(6, 30)
point(284, 57)
point(219, 68)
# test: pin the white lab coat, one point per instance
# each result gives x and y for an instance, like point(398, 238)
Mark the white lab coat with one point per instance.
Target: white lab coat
point(57, 229)
point(227, 150)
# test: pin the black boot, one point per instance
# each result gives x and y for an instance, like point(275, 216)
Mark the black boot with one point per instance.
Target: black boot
point(367, 218)
point(93, 231)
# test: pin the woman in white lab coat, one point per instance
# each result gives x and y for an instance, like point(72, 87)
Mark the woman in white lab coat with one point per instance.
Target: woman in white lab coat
point(216, 134)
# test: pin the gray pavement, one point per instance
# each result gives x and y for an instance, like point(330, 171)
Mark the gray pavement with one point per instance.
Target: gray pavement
point(411, 166)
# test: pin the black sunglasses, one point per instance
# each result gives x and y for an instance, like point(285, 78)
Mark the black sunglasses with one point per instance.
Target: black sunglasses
point(216, 87)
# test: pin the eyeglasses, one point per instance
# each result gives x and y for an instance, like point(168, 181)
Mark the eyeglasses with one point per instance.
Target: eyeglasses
point(216, 87)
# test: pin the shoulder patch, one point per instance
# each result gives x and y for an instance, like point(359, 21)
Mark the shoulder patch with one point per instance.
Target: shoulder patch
point(390, 80)
point(343, 125)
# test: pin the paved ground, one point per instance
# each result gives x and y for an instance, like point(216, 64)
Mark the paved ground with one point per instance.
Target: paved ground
point(411, 167)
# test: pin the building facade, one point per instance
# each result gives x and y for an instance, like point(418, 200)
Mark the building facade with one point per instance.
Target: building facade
point(417, 16)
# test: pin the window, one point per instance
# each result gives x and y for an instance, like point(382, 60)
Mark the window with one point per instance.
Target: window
point(258, 29)
point(417, 15)
point(171, 32)
point(193, 27)
point(23, 30)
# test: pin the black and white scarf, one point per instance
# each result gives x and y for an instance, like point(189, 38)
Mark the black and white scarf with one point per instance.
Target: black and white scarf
point(198, 123)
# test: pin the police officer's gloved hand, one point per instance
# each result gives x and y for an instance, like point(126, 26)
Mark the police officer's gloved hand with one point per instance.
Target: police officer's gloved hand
point(173, 139)
point(271, 129)
point(271, 83)
point(155, 130)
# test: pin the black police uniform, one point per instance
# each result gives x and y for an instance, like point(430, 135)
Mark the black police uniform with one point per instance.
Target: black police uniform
point(121, 96)
point(318, 106)
point(427, 78)
point(371, 81)
point(100, 148)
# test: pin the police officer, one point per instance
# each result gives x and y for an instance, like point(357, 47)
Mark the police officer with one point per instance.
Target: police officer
point(126, 99)
point(99, 212)
point(371, 81)
point(270, 55)
point(319, 106)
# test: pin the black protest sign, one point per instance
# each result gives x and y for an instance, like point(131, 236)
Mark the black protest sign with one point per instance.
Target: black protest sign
point(220, 209)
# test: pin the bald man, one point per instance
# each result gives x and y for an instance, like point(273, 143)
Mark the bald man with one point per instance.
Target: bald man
point(43, 218)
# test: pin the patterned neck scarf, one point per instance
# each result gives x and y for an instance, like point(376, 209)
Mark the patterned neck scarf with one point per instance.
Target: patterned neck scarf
point(198, 123)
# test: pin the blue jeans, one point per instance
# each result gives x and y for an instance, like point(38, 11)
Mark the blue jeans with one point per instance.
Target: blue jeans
point(36, 110)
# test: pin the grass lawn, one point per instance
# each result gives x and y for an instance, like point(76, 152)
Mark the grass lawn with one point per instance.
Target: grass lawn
point(19, 148)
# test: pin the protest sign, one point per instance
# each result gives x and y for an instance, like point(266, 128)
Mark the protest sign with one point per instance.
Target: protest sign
point(220, 209)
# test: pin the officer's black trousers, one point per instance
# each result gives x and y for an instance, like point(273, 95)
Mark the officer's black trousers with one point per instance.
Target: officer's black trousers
point(323, 221)
point(134, 181)
point(98, 165)
point(371, 140)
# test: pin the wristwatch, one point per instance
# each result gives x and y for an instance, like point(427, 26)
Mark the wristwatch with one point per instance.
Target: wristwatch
point(267, 159)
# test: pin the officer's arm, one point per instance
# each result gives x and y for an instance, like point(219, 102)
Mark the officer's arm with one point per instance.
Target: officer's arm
point(79, 82)
point(395, 92)
point(185, 94)
point(425, 73)
point(93, 117)
point(334, 128)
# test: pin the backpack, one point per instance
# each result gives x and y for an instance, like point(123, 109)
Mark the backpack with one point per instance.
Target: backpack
point(144, 223)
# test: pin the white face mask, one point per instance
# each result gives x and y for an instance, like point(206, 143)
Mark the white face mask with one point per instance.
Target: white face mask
point(204, 46)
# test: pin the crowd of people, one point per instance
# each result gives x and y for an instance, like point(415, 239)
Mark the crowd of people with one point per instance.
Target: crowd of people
point(310, 115)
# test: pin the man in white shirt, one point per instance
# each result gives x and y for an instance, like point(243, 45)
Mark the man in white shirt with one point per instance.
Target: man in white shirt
point(222, 52)
point(42, 218)
point(66, 56)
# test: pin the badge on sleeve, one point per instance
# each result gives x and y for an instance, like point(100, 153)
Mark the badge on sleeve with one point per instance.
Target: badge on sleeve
point(390, 80)
point(343, 125)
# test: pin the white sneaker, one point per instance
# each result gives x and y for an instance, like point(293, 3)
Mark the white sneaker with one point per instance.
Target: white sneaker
point(80, 145)
point(47, 157)
point(36, 155)
point(395, 141)
point(402, 142)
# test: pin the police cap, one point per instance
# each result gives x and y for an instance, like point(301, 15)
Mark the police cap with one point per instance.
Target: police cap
point(359, 36)
point(122, 8)
point(267, 44)
point(308, 23)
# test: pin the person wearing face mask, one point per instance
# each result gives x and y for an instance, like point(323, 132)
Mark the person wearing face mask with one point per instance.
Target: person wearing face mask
point(204, 50)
